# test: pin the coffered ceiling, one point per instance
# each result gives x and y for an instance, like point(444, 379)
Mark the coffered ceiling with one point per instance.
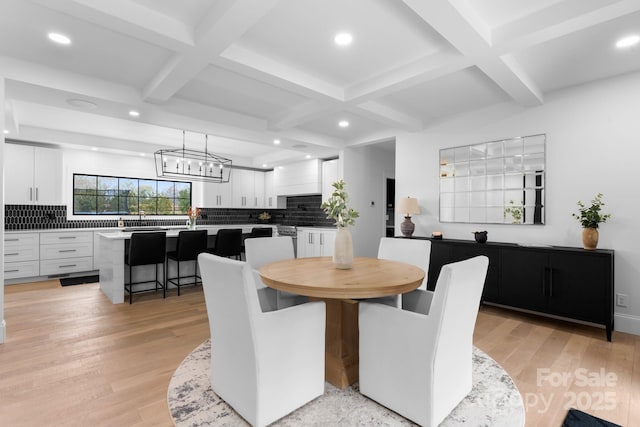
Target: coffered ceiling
point(247, 72)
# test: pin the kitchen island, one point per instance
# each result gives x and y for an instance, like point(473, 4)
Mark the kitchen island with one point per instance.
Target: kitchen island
point(110, 259)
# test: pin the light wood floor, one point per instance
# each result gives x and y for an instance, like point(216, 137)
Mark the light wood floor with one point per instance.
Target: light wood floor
point(72, 358)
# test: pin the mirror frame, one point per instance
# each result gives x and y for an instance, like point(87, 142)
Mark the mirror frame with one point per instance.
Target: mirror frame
point(494, 182)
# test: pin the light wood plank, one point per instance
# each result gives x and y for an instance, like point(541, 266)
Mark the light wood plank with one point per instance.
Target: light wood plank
point(74, 359)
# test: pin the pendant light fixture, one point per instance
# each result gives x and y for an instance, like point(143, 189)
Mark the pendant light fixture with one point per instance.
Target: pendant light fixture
point(193, 164)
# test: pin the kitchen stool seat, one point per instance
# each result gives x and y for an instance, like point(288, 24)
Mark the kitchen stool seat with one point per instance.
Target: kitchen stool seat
point(145, 249)
point(228, 243)
point(189, 245)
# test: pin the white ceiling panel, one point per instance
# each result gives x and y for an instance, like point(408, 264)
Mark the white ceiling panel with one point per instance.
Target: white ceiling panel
point(94, 51)
point(452, 94)
point(300, 33)
point(583, 56)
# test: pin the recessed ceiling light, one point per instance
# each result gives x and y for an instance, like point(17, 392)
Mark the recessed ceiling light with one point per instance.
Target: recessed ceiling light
point(343, 39)
point(94, 148)
point(308, 156)
point(6, 132)
point(134, 113)
point(628, 41)
point(82, 103)
point(343, 124)
point(59, 38)
point(142, 154)
point(264, 165)
point(276, 141)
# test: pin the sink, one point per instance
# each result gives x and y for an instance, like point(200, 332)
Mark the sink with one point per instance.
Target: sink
point(126, 229)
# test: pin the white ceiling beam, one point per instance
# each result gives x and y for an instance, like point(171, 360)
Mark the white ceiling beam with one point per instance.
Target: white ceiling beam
point(306, 112)
point(558, 20)
point(53, 78)
point(268, 70)
point(459, 25)
point(128, 17)
point(388, 116)
point(225, 23)
point(420, 71)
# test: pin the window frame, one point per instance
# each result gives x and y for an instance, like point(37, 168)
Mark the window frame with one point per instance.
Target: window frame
point(157, 197)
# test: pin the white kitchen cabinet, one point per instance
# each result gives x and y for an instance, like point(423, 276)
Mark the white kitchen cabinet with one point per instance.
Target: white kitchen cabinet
point(329, 176)
point(258, 190)
point(314, 242)
point(298, 178)
point(35, 174)
point(64, 252)
point(217, 195)
point(248, 189)
point(271, 199)
point(21, 253)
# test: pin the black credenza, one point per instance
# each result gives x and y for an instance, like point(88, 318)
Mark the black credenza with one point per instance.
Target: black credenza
point(561, 281)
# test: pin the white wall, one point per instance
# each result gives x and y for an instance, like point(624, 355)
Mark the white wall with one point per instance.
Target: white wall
point(365, 170)
point(2, 321)
point(593, 145)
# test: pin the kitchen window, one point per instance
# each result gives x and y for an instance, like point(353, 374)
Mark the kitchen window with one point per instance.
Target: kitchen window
point(112, 195)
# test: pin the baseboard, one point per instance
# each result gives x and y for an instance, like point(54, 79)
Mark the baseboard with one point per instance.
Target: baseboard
point(3, 328)
point(627, 323)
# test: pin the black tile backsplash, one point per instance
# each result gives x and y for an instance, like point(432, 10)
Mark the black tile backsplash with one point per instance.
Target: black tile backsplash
point(301, 210)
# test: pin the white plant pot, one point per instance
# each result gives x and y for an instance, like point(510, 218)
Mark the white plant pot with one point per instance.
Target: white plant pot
point(343, 250)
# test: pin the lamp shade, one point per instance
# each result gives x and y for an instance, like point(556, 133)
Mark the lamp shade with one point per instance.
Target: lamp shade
point(408, 206)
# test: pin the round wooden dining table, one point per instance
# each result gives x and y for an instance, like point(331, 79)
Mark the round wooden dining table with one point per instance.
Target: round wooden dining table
point(318, 278)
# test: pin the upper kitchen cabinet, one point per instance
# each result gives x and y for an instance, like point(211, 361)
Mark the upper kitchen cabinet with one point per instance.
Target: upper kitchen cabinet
point(271, 199)
point(248, 189)
point(217, 194)
point(299, 178)
point(35, 174)
point(329, 176)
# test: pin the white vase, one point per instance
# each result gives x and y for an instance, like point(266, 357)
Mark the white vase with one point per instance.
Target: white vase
point(343, 249)
point(191, 223)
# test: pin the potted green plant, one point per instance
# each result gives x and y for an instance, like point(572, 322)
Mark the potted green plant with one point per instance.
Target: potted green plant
point(590, 219)
point(335, 207)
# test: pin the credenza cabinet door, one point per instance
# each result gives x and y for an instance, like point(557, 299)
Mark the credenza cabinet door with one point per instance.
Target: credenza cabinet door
point(578, 286)
point(524, 279)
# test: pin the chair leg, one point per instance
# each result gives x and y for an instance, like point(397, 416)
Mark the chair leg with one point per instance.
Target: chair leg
point(164, 280)
point(178, 262)
point(130, 285)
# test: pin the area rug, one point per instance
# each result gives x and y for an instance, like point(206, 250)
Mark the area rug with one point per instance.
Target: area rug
point(494, 401)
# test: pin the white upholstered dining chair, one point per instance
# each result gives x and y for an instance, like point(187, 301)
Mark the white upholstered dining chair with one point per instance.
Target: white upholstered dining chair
point(263, 364)
point(263, 250)
point(419, 364)
point(412, 251)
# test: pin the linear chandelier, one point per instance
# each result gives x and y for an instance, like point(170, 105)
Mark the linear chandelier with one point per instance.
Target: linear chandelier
point(186, 163)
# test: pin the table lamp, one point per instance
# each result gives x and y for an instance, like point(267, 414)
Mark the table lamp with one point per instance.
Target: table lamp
point(407, 206)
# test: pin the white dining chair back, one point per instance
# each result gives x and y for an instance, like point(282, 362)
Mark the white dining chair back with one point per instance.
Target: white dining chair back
point(264, 250)
point(264, 365)
point(412, 251)
point(420, 364)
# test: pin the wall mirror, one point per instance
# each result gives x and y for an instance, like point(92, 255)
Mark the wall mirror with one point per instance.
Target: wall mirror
point(496, 182)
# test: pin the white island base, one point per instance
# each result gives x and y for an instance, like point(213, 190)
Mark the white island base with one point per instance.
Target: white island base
point(113, 272)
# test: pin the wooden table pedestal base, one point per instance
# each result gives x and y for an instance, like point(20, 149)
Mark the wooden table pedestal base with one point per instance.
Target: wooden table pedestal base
point(341, 343)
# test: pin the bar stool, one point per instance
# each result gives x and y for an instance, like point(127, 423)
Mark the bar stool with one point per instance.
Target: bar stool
point(261, 232)
point(228, 243)
point(190, 244)
point(145, 249)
